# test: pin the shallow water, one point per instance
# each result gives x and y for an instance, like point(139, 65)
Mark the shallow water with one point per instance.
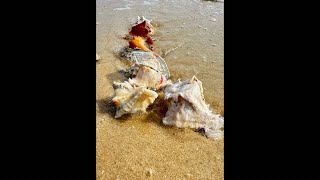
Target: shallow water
point(189, 36)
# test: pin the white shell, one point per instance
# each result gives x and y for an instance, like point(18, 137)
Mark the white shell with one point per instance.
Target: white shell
point(149, 78)
point(129, 100)
point(97, 57)
point(187, 108)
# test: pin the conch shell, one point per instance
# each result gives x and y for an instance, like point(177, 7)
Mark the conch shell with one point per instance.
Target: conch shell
point(187, 108)
point(142, 28)
point(130, 100)
point(150, 59)
point(138, 42)
point(149, 78)
point(141, 33)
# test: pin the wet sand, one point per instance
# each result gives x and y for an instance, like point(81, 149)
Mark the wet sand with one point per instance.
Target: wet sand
point(189, 36)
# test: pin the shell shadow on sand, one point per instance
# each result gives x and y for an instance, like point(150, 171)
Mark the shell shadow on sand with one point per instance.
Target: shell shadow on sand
point(106, 107)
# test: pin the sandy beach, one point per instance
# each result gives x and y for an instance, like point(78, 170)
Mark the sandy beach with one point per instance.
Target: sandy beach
point(189, 36)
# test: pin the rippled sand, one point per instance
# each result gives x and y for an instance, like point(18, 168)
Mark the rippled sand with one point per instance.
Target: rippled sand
point(189, 36)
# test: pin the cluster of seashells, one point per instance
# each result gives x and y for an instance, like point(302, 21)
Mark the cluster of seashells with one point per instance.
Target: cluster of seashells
point(186, 103)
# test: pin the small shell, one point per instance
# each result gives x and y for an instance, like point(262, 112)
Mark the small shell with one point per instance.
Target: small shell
point(97, 57)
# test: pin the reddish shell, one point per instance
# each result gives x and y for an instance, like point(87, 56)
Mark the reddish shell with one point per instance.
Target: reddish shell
point(140, 30)
point(149, 40)
point(138, 42)
point(161, 80)
point(115, 101)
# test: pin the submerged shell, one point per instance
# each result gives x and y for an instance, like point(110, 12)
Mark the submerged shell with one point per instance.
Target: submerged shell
point(150, 59)
point(129, 99)
point(187, 108)
point(149, 78)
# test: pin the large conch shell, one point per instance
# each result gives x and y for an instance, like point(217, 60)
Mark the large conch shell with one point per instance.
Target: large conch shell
point(130, 100)
point(187, 108)
point(149, 78)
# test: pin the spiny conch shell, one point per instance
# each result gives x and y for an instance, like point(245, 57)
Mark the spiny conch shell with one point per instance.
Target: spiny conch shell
point(142, 27)
point(149, 78)
point(130, 100)
point(187, 108)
